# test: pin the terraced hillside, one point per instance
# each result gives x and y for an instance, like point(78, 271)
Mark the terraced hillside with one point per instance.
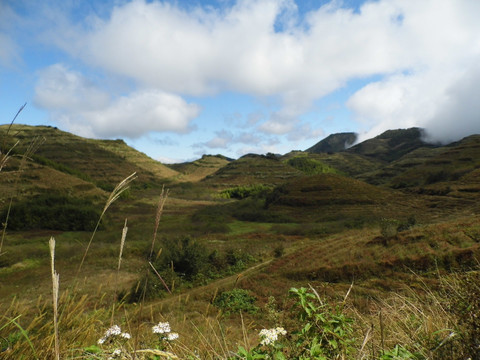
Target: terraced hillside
point(253, 169)
point(199, 169)
point(99, 161)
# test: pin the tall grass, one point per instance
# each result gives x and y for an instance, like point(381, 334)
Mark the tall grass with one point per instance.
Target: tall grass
point(55, 291)
point(415, 323)
point(114, 195)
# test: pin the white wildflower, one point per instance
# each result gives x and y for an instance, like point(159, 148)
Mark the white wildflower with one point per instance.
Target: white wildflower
point(161, 328)
point(117, 353)
point(113, 331)
point(172, 336)
point(269, 336)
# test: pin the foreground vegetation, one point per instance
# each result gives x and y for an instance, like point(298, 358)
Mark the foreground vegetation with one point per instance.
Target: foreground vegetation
point(301, 262)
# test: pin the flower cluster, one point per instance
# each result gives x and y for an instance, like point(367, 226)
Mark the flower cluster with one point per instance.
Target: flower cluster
point(116, 354)
point(113, 333)
point(163, 329)
point(269, 336)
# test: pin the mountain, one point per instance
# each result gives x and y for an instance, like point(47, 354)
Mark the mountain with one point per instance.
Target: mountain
point(325, 197)
point(391, 145)
point(201, 168)
point(452, 165)
point(64, 163)
point(253, 169)
point(334, 143)
point(97, 160)
point(390, 215)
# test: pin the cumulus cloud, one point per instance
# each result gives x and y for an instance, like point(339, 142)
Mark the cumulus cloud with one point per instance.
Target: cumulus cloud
point(89, 111)
point(225, 139)
point(64, 90)
point(221, 141)
point(304, 132)
point(459, 114)
point(200, 52)
point(435, 91)
point(9, 50)
point(421, 53)
point(266, 49)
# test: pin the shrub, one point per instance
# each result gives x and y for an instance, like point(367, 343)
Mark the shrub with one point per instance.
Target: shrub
point(185, 256)
point(388, 227)
point(235, 301)
point(242, 192)
point(279, 251)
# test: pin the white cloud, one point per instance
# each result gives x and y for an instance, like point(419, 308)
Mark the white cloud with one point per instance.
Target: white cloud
point(304, 132)
point(87, 110)
point(61, 89)
point(459, 113)
point(421, 51)
point(443, 37)
point(221, 141)
point(9, 50)
point(225, 139)
point(203, 51)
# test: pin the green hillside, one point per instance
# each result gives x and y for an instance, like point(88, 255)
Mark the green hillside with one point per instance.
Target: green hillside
point(201, 168)
point(334, 143)
point(253, 169)
point(391, 145)
point(99, 161)
point(395, 217)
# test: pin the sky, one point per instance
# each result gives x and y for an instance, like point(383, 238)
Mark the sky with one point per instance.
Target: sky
point(177, 79)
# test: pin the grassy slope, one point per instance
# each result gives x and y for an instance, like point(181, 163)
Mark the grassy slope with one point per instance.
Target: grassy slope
point(330, 197)
point(100, 160)
point(201, 168)
point(252, 169)
point(446, 235)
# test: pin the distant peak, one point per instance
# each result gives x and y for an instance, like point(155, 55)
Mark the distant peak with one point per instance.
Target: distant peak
point(334, 143)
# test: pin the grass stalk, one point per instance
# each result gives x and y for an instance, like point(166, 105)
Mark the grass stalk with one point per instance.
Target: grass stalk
point(55, 285)
point(160, 277)
point(158, 215)
point(122, 245)
point(24, 334)
point(114, 195)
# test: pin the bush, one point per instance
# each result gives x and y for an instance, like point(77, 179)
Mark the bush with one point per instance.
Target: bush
point(185, 256)
point(235, 301)
point(242, 192)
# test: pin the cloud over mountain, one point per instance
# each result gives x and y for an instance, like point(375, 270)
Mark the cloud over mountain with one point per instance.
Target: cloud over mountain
point(413, 63)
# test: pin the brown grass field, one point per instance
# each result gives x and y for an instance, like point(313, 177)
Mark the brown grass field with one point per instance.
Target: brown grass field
point(406, 252)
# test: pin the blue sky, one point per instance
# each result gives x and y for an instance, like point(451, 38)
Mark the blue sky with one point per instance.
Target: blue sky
point(178, 79)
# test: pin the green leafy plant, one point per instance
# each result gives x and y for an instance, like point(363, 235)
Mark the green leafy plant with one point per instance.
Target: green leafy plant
point(326, 332)
point(398, 353)
point(235, 301)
